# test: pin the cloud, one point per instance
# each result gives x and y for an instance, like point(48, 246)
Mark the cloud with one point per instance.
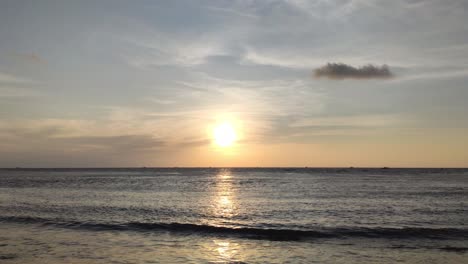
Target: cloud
point(231, 11)
point(294, 128)
point(14, 86)
point(194, 142)
point(7, 92)
point(434, 74)
point(148, 47)
point(11, 79)
point(121, 131)
point(120, 142)
point(345, 71)
point(31, 57)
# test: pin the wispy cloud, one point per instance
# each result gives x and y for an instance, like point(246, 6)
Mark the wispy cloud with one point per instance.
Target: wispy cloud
point(234, 12)
point(443, 73)
point(122, 142)
point(12, 79)
point(345, 71)
point(31, 57)
point(194, 142)
point(14, 86)
point(9, 92)
point(150, 48)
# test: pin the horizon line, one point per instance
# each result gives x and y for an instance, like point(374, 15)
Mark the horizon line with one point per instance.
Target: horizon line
point(230, 167)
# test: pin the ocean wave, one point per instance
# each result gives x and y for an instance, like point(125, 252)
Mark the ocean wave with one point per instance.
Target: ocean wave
point(255, 233)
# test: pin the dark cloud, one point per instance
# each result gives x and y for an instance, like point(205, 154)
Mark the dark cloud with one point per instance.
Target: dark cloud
point(345, 71)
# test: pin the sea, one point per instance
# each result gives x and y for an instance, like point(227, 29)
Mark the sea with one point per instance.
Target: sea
point(233, 215)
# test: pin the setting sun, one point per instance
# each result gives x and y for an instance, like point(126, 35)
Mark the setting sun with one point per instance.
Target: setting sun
point(224, 135)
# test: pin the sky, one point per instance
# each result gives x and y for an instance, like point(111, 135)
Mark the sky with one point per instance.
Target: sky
point(316, 83)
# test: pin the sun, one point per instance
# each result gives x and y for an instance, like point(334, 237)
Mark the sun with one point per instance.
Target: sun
point(224, 135)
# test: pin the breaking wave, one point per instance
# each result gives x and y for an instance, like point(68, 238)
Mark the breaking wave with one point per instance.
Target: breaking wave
point(255, 233)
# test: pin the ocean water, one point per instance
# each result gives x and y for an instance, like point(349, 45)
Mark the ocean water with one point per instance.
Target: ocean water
point(236, 215)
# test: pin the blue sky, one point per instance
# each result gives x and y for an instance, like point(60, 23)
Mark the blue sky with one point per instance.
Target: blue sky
point(141, 83)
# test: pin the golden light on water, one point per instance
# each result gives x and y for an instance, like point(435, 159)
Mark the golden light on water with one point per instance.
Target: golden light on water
point(225, 205)
point(227, 250)
point(224, 135)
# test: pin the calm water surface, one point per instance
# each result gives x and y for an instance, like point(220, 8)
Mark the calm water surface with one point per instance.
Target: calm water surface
point(234, 216)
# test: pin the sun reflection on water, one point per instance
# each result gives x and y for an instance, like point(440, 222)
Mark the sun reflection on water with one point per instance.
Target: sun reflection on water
point(224, 200)
point(225, 208)
point(226, 250)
